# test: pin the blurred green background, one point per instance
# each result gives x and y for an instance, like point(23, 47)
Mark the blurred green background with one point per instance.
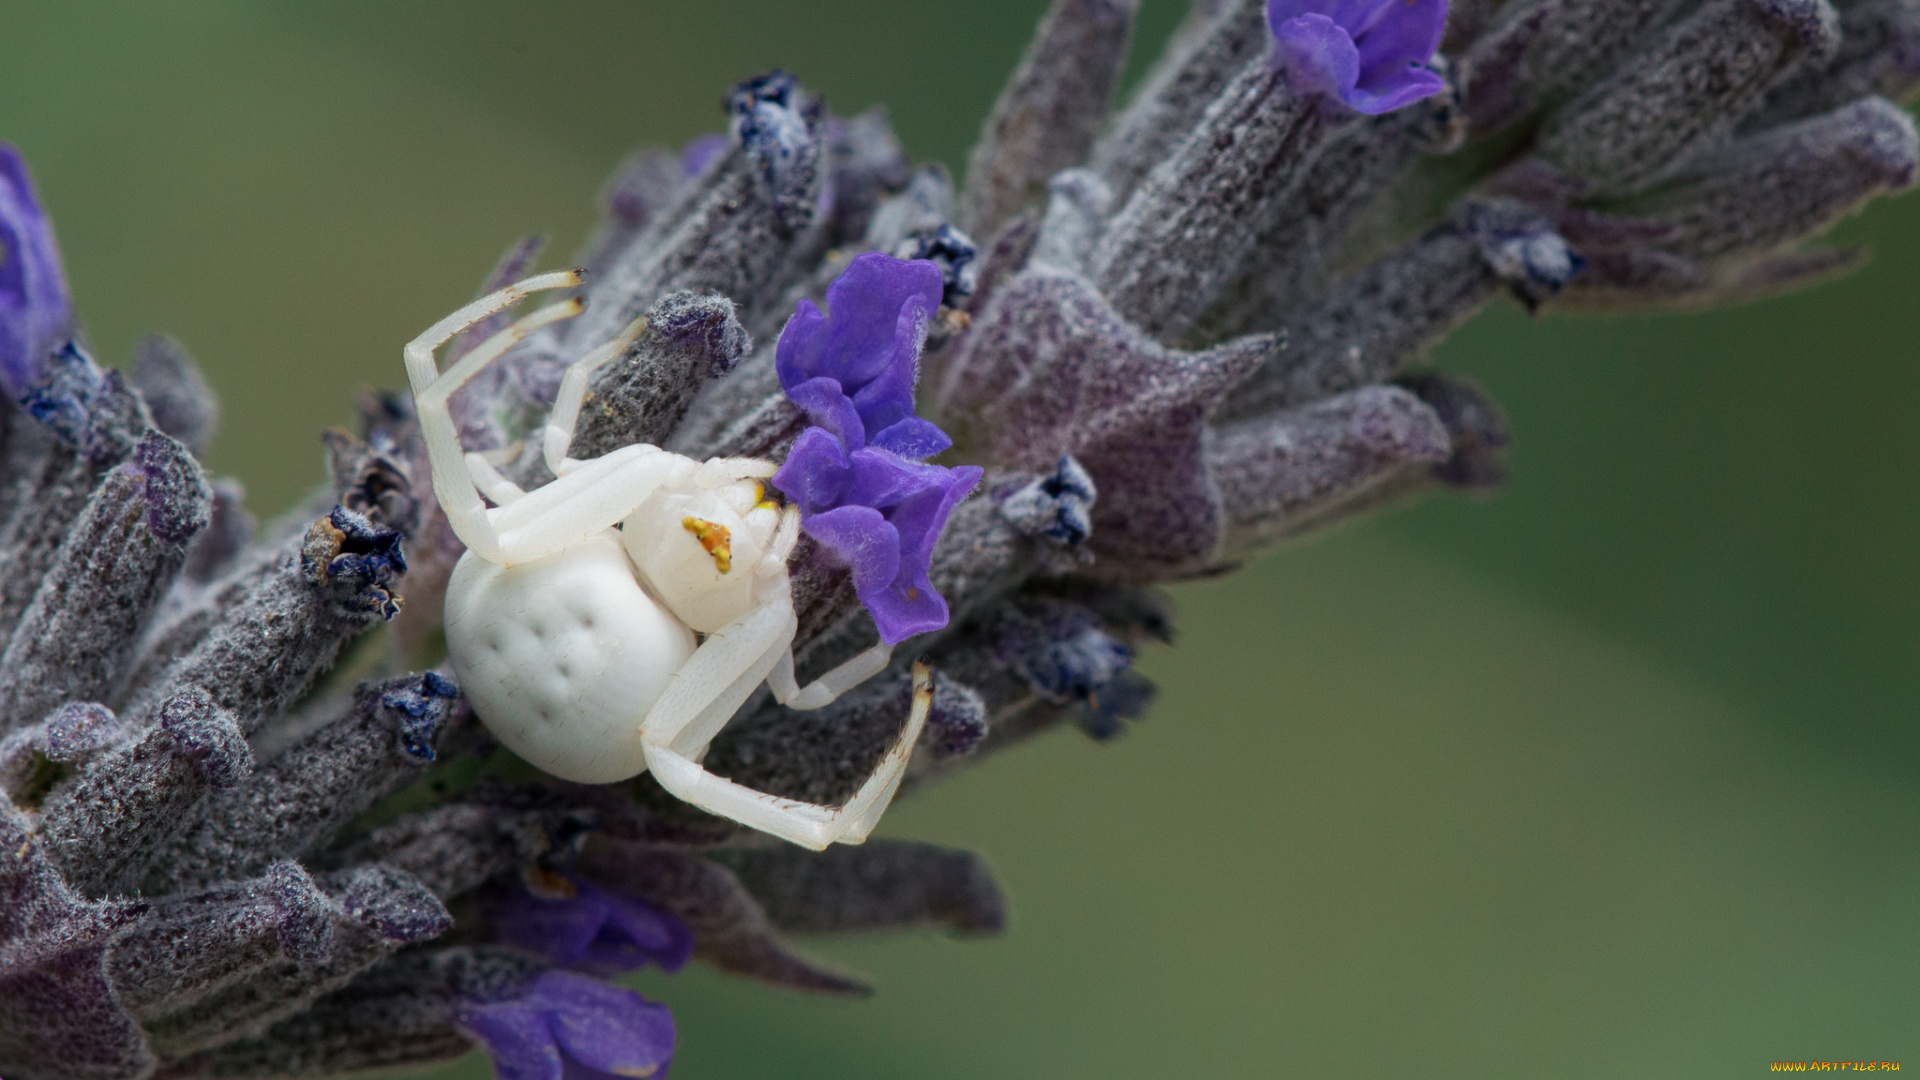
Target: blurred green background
point(1614, 775)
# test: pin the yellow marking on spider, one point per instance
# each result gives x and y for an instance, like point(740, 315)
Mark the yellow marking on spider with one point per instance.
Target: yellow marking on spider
point(760, 500)
point(713, 537)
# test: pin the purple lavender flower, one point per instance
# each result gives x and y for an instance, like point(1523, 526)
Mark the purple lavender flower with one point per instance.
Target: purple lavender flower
point(34, 308)
point(1370, 54)
point(592, 930)
point(852, 369)
point(857, 474)
point(571, 1026)
point(882, 513)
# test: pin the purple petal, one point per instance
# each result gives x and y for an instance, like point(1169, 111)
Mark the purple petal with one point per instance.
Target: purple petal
point(899, 612)
point(605, 1028)
point(1279, 11)
point(912, 438)
point(816, 473)
point(1400, 90)
point(1404, 32)
point(802, 340)
point(517, 1038)
point(828, 406)
point(635, 934)
point(561, 930)
point(909, 604)
point(881, 479)
point(1360, 17)
point(879, 306)
point(922, 517)
point(34, 306)
point(869, 340)
point(1317, 55)
point(888, 397)
point(862, 537)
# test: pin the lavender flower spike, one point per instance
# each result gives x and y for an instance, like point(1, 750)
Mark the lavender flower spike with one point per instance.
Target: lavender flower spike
point(852, 369)
point(1370, 54)
point(571, 1026)
point(576, 925)
point(34, 308)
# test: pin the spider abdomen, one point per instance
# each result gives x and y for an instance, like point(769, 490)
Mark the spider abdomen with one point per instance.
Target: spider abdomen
point(562, 656)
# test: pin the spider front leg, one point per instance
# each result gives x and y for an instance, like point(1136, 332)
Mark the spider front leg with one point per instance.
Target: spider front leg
point(453, 484)
point(558, 435)
point(705, 693)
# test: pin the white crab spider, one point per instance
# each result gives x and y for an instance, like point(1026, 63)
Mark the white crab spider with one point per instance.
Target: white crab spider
point(571, 619)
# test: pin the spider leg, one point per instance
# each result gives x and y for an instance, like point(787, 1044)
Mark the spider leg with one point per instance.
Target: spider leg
point(874, 797)
point(452, 483)
point(717, 679)
point(822, 691)
point(558, 435)
point(774, 562)
point(592, 496)
point(488, 479)
point(705, 693)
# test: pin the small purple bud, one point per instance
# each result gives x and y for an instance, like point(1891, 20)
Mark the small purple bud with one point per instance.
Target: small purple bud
point(393, 904)
point(957, 717)
point(303, 921)
point(209, 736)
point(176, 495)
point(1370, 54)
point(78, 728)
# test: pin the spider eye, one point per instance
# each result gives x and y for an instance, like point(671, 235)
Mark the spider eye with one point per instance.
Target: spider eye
point(714, 537)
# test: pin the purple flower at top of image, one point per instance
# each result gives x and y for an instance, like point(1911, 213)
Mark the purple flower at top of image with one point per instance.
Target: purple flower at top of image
point(592, 930)
point(882, 513)
point(34, 309)
point(851, 369)
point(1371, 54)
point(573, 1027)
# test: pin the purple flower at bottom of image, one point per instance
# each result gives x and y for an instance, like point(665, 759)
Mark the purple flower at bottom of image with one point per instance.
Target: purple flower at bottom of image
point(34, 309)
point(882, 513)
point(592, 930)
point(851, 369)
point(572, 1027)
point(1370, 54)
